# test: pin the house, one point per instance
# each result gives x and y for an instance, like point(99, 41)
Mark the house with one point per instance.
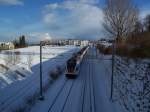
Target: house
point(6, 46)
point(74, 42)
point(84, 43)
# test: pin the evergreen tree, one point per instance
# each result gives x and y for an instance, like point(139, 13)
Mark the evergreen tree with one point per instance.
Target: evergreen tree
point(22, 41)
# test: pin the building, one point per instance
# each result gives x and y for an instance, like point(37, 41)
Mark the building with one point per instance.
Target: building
point(6, 46)
point(84, 43)
point(77, 42)
point(71, 42)
point(106, 43)
point(74, 42)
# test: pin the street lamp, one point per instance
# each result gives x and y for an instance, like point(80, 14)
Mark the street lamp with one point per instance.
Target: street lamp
point(113, 66)
point(41, 78)
point(42, 42)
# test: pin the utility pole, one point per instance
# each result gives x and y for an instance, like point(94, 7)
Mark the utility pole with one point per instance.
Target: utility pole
point(41, 80)
point(113, 64)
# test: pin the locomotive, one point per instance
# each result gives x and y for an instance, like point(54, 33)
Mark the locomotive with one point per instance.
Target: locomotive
point(73, 64)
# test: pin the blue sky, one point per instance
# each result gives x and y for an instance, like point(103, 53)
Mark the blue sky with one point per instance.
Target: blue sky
point(55, 18)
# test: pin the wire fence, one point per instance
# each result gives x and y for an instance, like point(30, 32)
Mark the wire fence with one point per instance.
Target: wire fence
point(132, 84)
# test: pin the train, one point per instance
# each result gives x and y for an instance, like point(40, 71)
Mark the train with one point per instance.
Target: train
point(73, 64)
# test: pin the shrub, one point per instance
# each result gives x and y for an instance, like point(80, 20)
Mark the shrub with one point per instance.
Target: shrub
point(108, 50)
point(100, 48)
point(59, 69)
point(122, 49)
point(141, 45)
point(103, 49)
point(32, 99)
point(54, 74)
point(47, 85)
point(140, 53)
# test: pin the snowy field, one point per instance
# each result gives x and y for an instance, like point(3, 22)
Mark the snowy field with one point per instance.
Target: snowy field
point(19, 72)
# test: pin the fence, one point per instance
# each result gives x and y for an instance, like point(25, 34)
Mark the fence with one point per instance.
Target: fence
point(132, 84)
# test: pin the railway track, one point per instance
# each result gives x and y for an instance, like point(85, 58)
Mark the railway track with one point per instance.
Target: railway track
point(64, 103)
point(88, 88)
point(8, 102)
point(92, 89)
point(60, 94)
point(57, 96)
point(91, 84)
point(83, 93)
point(67, 88)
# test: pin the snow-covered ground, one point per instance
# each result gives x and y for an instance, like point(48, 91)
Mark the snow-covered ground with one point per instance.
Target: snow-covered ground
point(90, 92)
point(105, 43)
point(23, 60)
point(131, 84)
point(19, 75)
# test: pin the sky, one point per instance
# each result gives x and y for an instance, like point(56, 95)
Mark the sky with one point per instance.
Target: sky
point(56, 19)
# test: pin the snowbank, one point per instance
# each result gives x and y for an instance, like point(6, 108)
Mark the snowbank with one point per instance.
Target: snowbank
point(20, 78)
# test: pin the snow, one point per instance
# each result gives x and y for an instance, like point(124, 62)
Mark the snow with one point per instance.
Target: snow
point(105, 43)
point(90, 92)
point(131, 82)
point(19, 82)
point(26, 58)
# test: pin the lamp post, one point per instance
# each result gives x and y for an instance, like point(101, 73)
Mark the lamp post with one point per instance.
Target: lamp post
point(41, 78)
point(43, 41)
point(113, 67)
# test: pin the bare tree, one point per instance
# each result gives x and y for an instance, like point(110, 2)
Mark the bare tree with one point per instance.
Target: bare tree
point(147, 22)
point(12, 58)
point(138, 28)
point(17, 58)
point(120, 17)
point(8, 58)
point(29, 61)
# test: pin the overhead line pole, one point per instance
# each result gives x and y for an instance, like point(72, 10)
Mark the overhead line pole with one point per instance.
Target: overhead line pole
point(113, 65)
point(41, 78)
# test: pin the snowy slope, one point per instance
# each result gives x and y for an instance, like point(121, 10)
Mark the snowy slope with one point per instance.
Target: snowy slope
point(131, 84)
point(18, 89)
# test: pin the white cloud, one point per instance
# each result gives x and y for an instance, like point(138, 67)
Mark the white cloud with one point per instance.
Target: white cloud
point(38, 36)
point(79, 19)
point(52, 6)
point(50, 18)
point(89, 1)
point(11, 2)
